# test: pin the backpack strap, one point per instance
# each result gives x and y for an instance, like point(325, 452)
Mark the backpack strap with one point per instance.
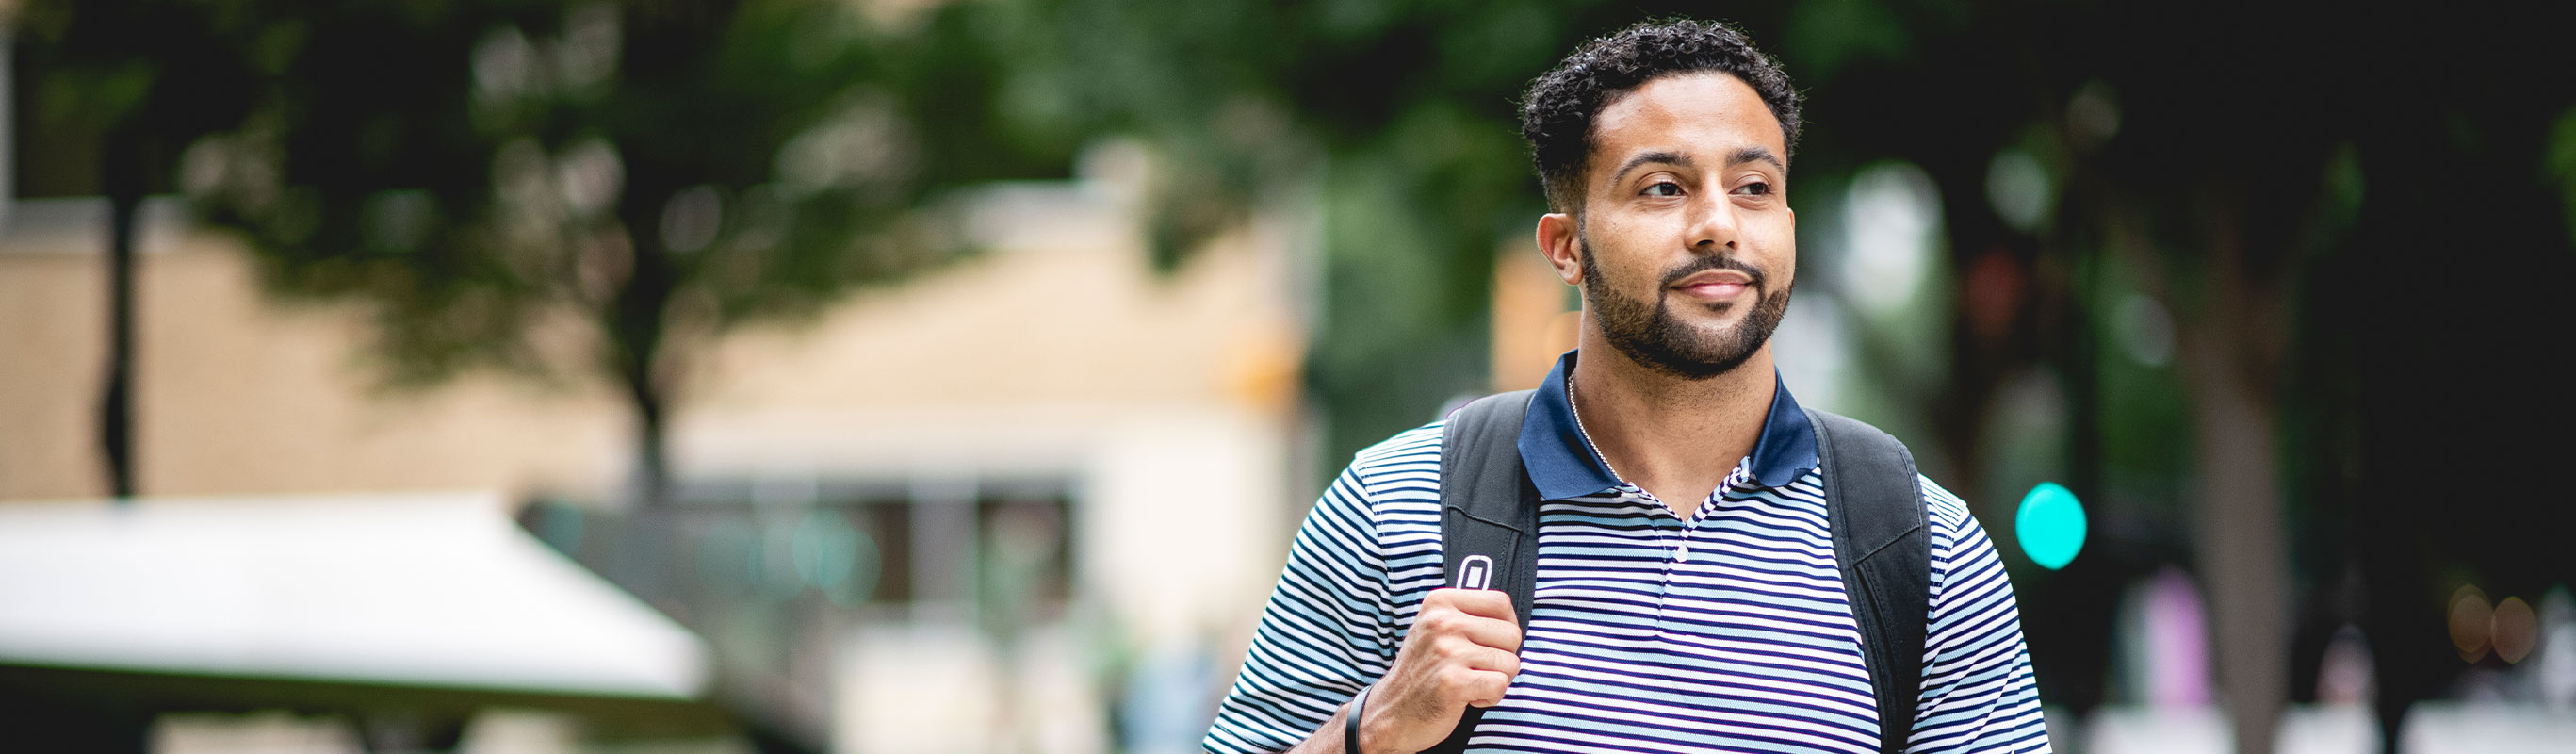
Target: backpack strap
point(1883, 544)
point(1488, 514)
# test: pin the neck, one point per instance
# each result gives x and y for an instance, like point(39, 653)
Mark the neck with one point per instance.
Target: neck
point(1674, 437)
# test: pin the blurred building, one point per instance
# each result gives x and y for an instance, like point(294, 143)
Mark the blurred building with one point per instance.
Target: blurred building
point(1019, 503)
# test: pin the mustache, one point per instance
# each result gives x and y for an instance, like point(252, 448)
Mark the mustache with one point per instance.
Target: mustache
point(1716, 262)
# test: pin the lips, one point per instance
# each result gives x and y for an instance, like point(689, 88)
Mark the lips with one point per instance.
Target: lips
point(1714, 284)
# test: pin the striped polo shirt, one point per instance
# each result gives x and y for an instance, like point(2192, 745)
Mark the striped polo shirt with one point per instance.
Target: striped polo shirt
point(1726, 631)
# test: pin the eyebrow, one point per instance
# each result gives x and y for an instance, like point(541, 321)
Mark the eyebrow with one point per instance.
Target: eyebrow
point(1675, 159)
point(1754, 153)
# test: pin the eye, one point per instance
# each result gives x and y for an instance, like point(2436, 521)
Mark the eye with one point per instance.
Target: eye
point(1755, 188)
point(1664, 188)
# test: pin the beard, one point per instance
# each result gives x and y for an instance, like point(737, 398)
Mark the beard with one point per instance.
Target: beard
point(1649, 333)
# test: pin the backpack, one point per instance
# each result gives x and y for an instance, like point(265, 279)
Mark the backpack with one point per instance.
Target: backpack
point(1489, 539)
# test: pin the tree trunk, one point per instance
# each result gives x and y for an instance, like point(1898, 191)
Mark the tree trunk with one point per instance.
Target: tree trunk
point(2243, 551)
point(640, 336)
point(2229, 361)
point(121, 171)
point(652, 454)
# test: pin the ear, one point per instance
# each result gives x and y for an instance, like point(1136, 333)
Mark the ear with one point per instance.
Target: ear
point(1561, 243)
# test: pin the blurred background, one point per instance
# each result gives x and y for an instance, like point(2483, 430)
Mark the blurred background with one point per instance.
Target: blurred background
point(949, 375)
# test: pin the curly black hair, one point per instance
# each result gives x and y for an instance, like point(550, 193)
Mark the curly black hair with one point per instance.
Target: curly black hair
point(1556, 115)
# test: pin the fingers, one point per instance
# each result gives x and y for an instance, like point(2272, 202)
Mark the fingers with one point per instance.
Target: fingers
point(1482, 616)
point(1489, 658)
point(1483, 603)
point(1480, 688)
point(1470, 663)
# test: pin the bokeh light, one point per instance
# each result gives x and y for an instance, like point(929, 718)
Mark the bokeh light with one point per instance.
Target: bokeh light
point(2050, 526)
point(2472, 622)
point(2514, 629)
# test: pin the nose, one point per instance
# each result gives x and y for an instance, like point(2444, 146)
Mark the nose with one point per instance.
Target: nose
point(1712, 223)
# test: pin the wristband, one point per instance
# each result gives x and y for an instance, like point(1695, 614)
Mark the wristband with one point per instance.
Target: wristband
point(1351, 724)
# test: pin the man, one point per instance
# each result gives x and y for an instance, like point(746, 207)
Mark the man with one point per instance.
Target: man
point(1686, 594)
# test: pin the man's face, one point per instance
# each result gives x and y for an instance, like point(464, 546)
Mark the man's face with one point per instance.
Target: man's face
point(1687, 248)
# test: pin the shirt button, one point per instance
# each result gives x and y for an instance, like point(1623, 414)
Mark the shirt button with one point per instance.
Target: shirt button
point(1682, 553)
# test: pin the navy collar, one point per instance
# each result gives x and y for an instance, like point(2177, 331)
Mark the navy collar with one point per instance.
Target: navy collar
point(1565, 465)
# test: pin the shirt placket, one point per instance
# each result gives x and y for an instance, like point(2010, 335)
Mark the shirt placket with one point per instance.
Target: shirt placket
point(1684, 546)
point(1708, 507)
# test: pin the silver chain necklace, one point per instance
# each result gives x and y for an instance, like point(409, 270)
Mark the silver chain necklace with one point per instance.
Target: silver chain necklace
point(1588, 444)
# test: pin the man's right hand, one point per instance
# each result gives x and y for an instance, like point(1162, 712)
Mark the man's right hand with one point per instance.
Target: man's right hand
point(1463, 649)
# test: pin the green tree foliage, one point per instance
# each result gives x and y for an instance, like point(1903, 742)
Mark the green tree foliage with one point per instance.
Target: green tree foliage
point(655, 173)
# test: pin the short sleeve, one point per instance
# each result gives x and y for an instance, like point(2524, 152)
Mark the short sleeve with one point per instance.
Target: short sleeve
point(1978, 693)
point(1323, 633)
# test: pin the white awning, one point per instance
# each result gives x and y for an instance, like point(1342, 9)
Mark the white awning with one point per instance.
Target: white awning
point(438, 589)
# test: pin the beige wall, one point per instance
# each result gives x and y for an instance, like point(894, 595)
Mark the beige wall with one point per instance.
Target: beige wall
point(1061, 324)
point(1062, 310)
point(236, 395)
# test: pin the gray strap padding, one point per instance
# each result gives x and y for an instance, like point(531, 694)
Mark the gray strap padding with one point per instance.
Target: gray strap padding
point(1875, 505)
point(1488, 514)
